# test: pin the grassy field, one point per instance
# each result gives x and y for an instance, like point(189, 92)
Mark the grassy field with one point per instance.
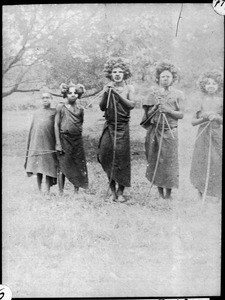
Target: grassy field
point(87, 246)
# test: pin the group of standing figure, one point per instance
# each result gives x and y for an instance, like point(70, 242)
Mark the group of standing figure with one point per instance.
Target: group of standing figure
point(55, 145)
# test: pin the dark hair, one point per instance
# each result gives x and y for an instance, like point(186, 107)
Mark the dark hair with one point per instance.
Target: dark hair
point(117, 62)
point(64, 88)
point(215, 75)
point(166, 66)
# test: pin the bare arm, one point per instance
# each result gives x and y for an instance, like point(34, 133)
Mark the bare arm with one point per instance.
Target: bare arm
point(149, 110)
point(58, 146)
point(200, 118)
point(176, 114)
point(196, 120)
point(103, 102)
point(130, 102)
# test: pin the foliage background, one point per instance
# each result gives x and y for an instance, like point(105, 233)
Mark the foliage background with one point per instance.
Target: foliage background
point(87, 246)
point(45, 45)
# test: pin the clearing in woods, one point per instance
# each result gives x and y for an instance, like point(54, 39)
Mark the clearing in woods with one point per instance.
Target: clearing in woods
point(86, 246)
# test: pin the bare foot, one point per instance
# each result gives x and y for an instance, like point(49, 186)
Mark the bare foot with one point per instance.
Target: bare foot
point(161, 193)
point(121, 199)
point(76, 191)
point(168, 197)
point(161, 196)
point(199, 195)
point(113, 197)
point(61, 193)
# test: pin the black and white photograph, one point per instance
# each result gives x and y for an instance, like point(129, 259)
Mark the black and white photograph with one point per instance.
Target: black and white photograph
point(112, 122)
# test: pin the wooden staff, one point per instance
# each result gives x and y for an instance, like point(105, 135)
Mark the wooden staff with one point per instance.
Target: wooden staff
point(208, 167)
point(164, 116)
point(159, 151)
point(114, 144)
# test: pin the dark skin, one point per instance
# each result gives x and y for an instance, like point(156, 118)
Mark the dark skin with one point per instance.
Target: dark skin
point(128, 103)
point(71, 99)
point(117, 77)
point(46, 104)
point(205, 117)
point(165, 81)
point(47, 182)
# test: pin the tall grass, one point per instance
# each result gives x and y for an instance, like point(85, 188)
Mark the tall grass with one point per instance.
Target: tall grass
point(87, 246)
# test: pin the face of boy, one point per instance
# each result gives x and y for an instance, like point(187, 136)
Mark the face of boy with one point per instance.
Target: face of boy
point(165, 78)
point(117, 75)
point(46, 99)
point(72, 95)
point(211, 86)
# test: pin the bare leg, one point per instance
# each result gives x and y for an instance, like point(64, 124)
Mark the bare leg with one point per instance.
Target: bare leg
point(113, 189)
point(199, 194)
point(39, 180)
point(160, 190)
point(76, 189)
point(120, 190)
point(48, 183)
point(120, 193)
point(168, 194)
point(61, 181)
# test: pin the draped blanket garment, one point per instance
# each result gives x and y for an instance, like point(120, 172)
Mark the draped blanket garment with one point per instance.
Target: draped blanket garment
point(122, 166)
point(167, 172)
point(41, 138)
point(201, 151)
point(72, 163)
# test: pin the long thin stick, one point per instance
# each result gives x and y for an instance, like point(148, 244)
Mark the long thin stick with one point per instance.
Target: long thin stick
point(164, 116)
point(159, 152)
point(52, 151)
point(41, 150)
point(107, 105)
point(93, 100)
point(150, 116)
point(179, 19)
point(114, 146)
point(208, 168)
point(202, 130)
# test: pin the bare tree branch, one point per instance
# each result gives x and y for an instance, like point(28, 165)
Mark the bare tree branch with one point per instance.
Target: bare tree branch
point(15, 59)
point(28, 90)
point(179, 19)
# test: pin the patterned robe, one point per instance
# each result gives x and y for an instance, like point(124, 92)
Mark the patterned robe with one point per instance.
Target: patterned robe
point(167, 170)
point(199, 163)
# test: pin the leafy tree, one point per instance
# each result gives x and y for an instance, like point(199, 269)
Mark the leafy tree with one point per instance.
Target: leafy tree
point(50, 44)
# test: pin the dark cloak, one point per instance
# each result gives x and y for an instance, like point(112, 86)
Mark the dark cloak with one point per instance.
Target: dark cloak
point(167, 171)
point(72, 163)
point(122, 166)
point(41, 138)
